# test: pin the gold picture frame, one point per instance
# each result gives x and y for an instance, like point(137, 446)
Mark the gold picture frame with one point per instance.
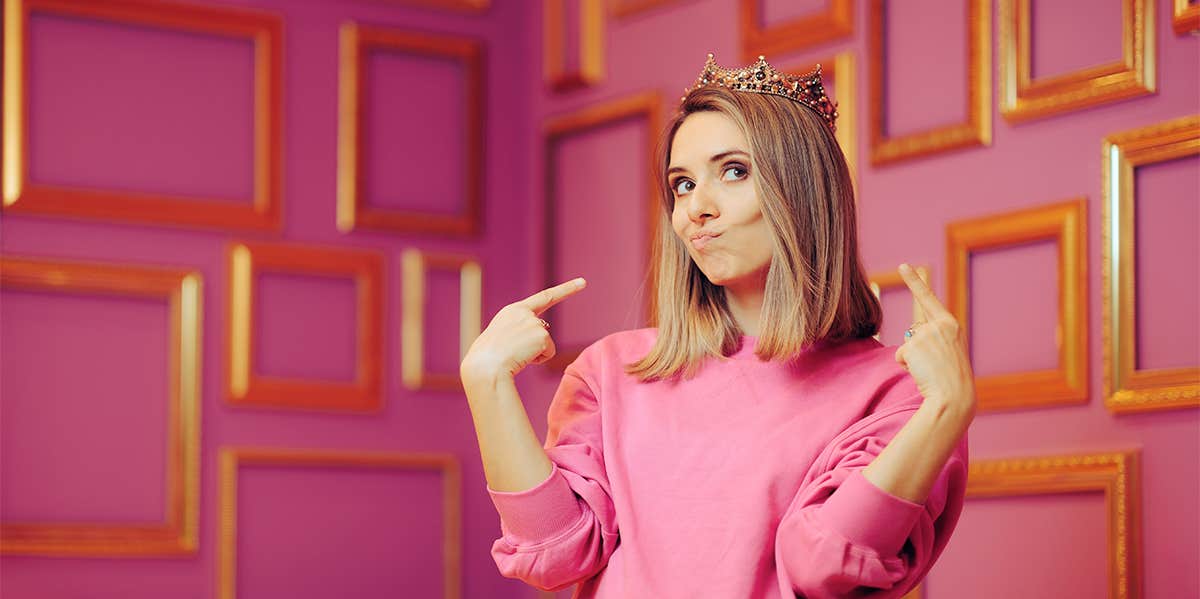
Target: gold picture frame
point(1117, 474)
point(1185, 17)
point(1023, 99)
point(245, 388)
point(1066, 223)
point(591, 69)
point(415, 264)
point(976, 131)
point(357, 42)
point(233, 459)
point(841, 67)
point(263, 29)
point(644, 106)
point(1126, 388)
point(178, 532)
point(834, 23)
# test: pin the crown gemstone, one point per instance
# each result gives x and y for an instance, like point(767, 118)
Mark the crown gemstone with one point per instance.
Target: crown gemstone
point(761, 77)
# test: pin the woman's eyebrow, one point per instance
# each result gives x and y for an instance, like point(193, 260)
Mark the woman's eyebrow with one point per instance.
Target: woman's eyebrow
point(715, 158)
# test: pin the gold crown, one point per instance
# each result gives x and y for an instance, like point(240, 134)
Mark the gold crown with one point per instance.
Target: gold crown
point(762, 78)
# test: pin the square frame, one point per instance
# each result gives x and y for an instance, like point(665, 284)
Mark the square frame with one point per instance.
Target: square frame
point(591, 45)
point(357, 41)
point(415, 265)
point(1117, 474)
point(1127, 389)
point(178, 533)
point(263, 29)
point(644, 106)
point(1023, 99)
point(233, 458)
point(834, 23)
point(976, 131)
point(245, 388)
point(1066, 223)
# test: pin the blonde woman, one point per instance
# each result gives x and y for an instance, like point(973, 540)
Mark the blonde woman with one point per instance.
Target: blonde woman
point(758, 442)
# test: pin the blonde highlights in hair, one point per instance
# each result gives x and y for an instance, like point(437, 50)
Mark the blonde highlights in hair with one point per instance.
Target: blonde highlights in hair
point(816, 289)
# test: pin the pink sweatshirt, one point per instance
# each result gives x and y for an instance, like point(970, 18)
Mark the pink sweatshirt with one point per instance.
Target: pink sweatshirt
point(724, 485)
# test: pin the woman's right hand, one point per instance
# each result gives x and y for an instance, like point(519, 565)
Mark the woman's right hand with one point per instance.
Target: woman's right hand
point(516, 338)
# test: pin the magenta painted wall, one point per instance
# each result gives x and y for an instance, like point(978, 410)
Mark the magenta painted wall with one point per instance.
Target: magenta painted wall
point(143, 109)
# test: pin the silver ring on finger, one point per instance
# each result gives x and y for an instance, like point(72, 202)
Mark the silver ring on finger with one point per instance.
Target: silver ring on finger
point(545, 325)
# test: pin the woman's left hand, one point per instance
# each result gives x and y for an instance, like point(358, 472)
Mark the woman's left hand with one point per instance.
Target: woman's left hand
point(936, 353)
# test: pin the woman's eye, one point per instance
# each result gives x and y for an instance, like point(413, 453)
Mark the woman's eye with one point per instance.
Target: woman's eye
point(736, 168)
point(679, 183)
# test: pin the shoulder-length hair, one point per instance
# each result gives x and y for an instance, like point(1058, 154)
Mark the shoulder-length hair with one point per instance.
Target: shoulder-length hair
point(816, 289)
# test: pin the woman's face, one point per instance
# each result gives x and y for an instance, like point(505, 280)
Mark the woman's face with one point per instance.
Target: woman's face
point(709, 175)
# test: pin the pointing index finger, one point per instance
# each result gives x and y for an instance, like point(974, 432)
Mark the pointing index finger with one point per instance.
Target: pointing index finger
point(921, 292)
point(547, 298)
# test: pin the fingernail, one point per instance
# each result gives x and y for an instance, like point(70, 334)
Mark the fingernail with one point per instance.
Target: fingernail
point(580, 282)
point(905, 266)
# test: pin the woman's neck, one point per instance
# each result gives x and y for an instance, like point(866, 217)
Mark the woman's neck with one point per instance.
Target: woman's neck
point(745, 301)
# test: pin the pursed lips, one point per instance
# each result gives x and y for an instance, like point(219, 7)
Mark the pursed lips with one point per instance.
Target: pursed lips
point(703, 239)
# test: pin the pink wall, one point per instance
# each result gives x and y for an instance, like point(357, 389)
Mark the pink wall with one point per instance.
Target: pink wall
point(155, 110)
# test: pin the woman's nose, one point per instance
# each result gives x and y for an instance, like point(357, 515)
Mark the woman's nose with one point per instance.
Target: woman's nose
point(702, 204)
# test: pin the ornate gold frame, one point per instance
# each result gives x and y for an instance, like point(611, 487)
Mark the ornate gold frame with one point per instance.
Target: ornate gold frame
point(646, 106)
point(1127, 389)
point(1116, 474)
point(414, 266)
point(1022, 98)
point(357, 41)
point(233, 458)
point(837, 22)
point(263, 29)
point(891, 279)
point(244, 387)
point(1065, 222)
point(177, 534)
point(1185, 17)
point(845, 93)
point(591, 45)
point(977, 131)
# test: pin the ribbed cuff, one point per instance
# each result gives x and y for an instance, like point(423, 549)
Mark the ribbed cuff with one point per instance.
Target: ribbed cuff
point(539, 513)
point(869, 516)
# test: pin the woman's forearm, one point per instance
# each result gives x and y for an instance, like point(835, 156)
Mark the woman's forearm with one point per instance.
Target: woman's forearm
point(911, 462)
point(513, 458)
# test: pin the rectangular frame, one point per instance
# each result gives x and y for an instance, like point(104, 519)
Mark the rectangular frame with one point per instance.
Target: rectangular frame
point(233, 458)
point(1117, 474)
point(834, 23)
point(1185, 17)
point(178, 533)
point(1066, 223)
point(244, 387)
point(263, 29)
point(646, 106)
point(845, 94)
point(1127, 389)
point(357, 41)
point(415, 264)
point(1023, 99)
point(591, 45)
point(976, 131)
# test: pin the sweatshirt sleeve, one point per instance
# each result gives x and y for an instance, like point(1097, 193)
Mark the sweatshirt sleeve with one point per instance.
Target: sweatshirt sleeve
point(843, 537)
point(564, 529)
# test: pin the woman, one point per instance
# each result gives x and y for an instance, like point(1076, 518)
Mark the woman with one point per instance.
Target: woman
point(759, 442)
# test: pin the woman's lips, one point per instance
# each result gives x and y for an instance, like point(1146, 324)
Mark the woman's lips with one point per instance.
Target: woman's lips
point(700, 242)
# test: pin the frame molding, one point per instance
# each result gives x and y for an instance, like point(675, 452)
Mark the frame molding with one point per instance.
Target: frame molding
point(233, 458)
point(1185, 17)
point(415, 264)
point(1023, 99)
point(263, 29)
point(357, 41)
point(1066, 223)
point(244, 387)
point(1127, 389)
point(177, 534)
point(1117, 474)
point(644, 106)
point(834, 23)
point(976, 131)
point(591, 45)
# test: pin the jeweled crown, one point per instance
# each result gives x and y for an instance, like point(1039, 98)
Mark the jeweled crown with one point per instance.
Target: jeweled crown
point(762, 78)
